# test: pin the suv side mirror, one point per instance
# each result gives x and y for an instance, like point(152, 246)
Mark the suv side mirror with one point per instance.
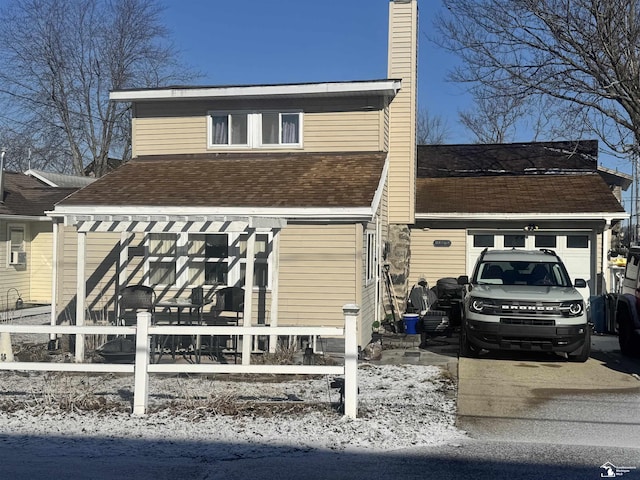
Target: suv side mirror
point(580, 283)
point(463, 280)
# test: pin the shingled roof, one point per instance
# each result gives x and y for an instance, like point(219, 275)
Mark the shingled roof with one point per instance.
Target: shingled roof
point(514, 194)
point(280, 180)
point(436, 161)
point(26, 196)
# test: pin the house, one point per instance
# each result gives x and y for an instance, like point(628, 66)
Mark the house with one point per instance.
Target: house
point(27, 237)
point(524, 195)
point(304, 194)
point(288, 190)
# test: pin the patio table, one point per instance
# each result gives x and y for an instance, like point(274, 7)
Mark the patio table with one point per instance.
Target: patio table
point(179, 305)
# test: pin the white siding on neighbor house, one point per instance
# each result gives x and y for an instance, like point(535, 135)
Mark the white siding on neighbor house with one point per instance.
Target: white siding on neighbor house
point(437, 262)
point(329, 125)
point(318, 267)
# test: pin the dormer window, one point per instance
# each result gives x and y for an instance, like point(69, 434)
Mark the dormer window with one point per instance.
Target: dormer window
point(273, 129)
point(229, 129)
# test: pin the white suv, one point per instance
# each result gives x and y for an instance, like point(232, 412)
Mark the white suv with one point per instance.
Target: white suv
point(524, 300)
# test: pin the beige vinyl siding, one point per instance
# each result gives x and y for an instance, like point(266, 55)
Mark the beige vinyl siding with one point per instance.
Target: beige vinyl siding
point(345, 124)
point(317, 273)
point(169, 135)
point(41, 262)
point(100, 274)
point(437, 262)
point(368, 301)
point(402, 128)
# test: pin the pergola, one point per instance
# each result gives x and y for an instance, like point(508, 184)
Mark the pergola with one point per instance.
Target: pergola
point(171, 221)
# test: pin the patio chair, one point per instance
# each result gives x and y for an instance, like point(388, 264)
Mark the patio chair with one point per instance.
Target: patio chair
point(228, 309)
point(132, 299)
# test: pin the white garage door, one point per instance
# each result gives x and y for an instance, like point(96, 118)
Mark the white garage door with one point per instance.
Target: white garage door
point(574, 248)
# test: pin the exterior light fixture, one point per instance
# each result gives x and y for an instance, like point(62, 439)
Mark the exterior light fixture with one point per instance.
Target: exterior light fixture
point(532, 227)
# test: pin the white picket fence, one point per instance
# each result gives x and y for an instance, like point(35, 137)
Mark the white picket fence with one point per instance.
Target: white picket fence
point(142, 366)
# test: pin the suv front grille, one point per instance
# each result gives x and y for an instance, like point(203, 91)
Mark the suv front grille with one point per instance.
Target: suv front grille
point(528, 309)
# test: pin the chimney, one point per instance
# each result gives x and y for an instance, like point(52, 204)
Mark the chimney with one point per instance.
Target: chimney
point(402, 64)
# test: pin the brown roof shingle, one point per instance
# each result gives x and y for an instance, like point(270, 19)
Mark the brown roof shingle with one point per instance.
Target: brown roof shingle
point(516, 194)
point(286, 180)
point(26, 196)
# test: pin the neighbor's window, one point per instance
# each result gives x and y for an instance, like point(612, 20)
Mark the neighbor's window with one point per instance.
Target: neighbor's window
point(16, 239)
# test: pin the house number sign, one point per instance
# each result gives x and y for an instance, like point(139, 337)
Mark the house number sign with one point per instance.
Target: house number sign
point(442, 243)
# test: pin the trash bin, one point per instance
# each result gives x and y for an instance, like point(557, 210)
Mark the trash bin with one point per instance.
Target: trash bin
point(410, 321)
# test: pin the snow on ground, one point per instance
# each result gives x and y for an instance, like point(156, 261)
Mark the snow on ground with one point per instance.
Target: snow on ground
point(400, 406)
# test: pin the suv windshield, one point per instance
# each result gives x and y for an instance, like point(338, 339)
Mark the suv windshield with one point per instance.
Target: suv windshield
point(521, 273)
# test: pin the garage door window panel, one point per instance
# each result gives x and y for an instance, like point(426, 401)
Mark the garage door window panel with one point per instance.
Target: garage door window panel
point(577, 241)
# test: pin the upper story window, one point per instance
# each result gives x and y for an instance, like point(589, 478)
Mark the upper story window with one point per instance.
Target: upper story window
point(229, 129)
point(255, 129)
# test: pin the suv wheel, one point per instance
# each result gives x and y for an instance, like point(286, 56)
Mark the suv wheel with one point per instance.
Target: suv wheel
point(584, 353)
point(467, 349)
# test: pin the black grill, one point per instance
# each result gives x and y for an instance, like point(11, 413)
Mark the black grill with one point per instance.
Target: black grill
point(541, 322)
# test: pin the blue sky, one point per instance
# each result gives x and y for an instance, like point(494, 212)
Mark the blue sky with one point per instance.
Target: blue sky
point(289, 41)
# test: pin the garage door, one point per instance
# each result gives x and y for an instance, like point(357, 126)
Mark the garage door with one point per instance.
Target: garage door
point(574, 248)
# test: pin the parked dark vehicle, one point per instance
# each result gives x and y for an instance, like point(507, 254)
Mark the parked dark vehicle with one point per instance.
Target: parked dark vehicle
point(627, 306)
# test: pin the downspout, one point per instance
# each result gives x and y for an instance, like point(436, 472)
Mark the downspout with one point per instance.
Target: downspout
point(2, 176)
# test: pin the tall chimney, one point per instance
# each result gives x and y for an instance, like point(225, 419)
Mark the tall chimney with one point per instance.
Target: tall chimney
point(402, 64)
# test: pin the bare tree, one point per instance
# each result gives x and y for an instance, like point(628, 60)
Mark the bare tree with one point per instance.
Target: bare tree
point(580, 58)
point(431, 129)
point(63, 59)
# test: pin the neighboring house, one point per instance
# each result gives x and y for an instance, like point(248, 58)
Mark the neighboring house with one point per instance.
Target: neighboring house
point(59, 179)
point(523, 195)
point(290, 190)
point(26, 233)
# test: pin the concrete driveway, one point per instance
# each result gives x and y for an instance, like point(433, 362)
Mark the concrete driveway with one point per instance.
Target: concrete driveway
point(543, 398)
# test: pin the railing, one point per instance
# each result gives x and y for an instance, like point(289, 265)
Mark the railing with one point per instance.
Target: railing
point(142, 366)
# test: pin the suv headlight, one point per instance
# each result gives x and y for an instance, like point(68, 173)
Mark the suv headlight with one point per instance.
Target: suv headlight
point(572, 309)
point(481, 305)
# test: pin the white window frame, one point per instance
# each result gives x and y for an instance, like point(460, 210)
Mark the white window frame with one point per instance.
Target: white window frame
point(161, 257)
point(183, 258)
point(371, 260)
point(280, 144)
point(22, 248)
point(254, 130)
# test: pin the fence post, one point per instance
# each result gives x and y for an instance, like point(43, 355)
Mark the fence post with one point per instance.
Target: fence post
point(141, 374)
point(350, 312)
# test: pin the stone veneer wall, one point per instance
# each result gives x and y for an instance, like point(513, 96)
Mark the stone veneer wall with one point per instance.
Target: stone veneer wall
point(398, 256)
